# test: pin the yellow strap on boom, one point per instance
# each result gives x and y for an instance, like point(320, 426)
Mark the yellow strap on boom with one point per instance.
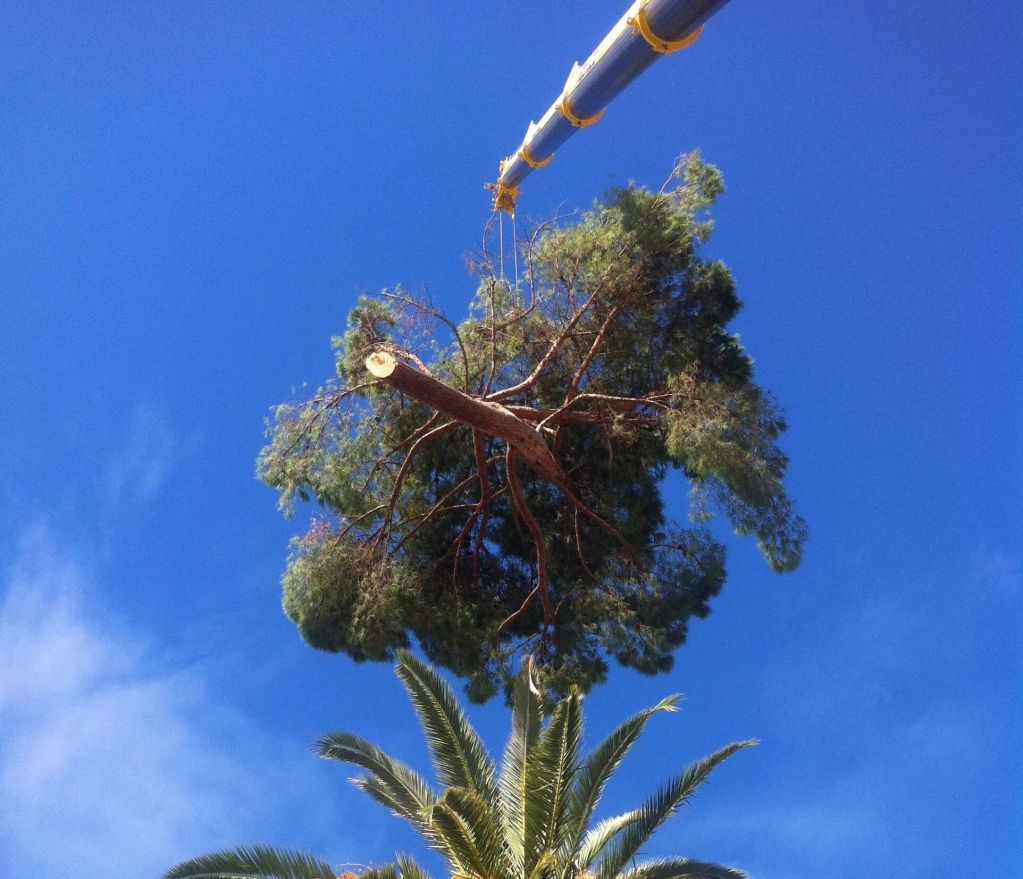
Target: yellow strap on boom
point(577, 121)
point(527, 157)
point(641, 23)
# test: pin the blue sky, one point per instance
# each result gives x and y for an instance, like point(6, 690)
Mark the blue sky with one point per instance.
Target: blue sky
point(194, 194)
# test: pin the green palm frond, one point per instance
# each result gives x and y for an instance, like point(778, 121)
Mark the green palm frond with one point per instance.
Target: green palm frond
point(543, 866)
point(408, 869)
point(534, 823)
point(458, 754)
point(455, 840)
point(659, 808)
point(602, 762)
point(391, 782)
point(681, 868)
point(252, 862)
point(550, 771)
point(373, 787)
point(597, 838)
point(386, 871)
point(527, 717)
point(472, 832)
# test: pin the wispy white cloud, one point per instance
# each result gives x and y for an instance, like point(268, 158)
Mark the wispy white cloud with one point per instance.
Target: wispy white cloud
point(109, 764)
point(139, 469)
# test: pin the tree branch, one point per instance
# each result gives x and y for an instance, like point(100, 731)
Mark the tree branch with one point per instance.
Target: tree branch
point(400, 476)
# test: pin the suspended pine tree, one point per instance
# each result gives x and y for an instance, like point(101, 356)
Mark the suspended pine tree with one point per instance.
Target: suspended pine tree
point(502, 492)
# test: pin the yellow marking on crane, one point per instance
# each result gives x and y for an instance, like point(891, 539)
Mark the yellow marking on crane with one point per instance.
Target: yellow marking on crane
point(527, 157)
point(578, 121)
point(641, 23)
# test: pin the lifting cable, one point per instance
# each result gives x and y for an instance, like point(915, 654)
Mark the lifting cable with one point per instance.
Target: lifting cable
point(515, 250)
point(500, 245)
point(500, 242)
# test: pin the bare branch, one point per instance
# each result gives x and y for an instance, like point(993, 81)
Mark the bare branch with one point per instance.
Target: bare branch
point(400, 476)
point(542, 587)
point(439, 506)
point(439, 315)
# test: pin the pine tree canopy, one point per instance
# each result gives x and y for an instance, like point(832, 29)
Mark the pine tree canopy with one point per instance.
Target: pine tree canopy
point(496, 487)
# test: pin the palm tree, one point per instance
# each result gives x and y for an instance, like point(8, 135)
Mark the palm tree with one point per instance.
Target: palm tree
point(531, 819)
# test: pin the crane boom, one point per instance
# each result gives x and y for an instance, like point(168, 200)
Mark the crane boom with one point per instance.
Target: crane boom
point(648, 30)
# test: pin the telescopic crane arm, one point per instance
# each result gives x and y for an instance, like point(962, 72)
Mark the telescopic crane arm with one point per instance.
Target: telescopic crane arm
point(649, 30)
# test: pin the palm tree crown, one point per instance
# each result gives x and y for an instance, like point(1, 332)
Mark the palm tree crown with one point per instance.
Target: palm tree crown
point(531, 818)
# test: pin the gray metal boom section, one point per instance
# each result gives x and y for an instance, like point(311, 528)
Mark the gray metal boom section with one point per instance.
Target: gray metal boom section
point(650, 29)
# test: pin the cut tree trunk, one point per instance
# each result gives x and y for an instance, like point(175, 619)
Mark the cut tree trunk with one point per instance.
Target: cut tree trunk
point(487, 417)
